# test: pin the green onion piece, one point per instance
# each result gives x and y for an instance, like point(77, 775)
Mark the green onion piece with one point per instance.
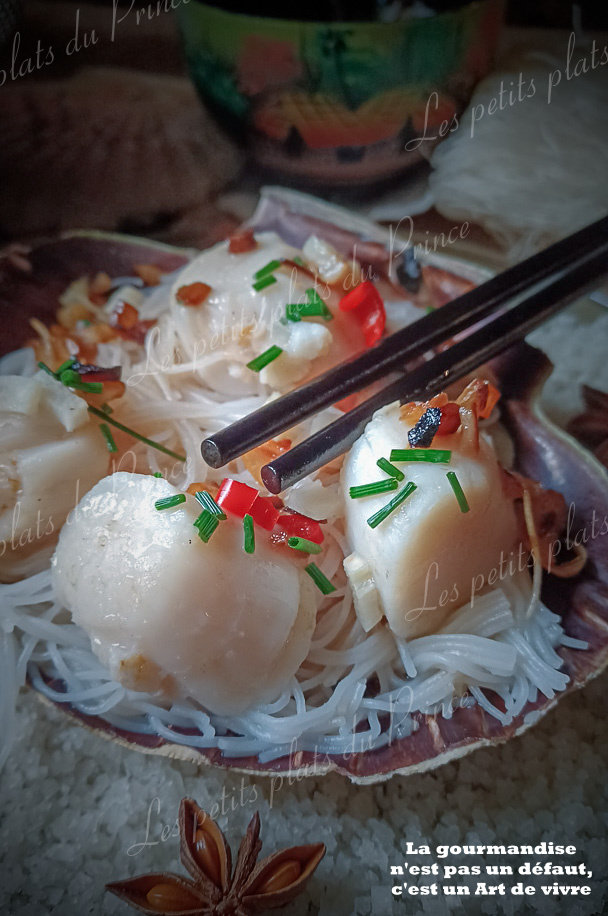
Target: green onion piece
point(169, 502)
point(304, 545)
point(298, 260)
point(107, 409)
point(157, 474)
point(263, 282)
point(206, 524)
point(106, 433)
point(47, 369)
point(66, 365)
point(430, 455)
point(71, 379)
point(267, 269)
point(429, 309)
point(385, 465)
point(320, 580)
point(458, 491)
point(207, 502)
point(249, 534)
point(379, 516)
point(294, 311)
point(372, 489)
point(314, 300)
point(257, 364)
point(131, 432)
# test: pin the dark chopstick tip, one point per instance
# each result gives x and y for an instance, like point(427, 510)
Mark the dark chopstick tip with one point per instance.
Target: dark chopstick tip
point(211, 454)
point(271, 479)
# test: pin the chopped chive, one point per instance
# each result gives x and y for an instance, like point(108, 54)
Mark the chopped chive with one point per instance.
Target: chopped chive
point(294, 311)
point(298, 260)
point(320, 580)
point(47, 369)
point(458, 491)
point(106, 433)
point(429, 309)
point(385, 465)
point(257, 364)
point(379, 516)
point(315, 300)
point(431, 455)
point(85, 322)
point(267, 269)
point(263, 282)
point(169, 502)
point(157, 474)
point(207, 502)
point(106, 408)
point(72, 379)
point(131, 432)
point(304, 545)
point(372, 489)
point(66, 365)
point(249, 543)
point(206, 524)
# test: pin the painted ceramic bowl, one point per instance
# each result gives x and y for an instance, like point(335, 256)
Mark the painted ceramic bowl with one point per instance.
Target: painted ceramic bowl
point(329, 103)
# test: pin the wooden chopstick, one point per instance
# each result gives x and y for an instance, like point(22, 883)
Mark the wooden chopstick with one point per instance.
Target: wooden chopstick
point(463, 357)
point(395, 351)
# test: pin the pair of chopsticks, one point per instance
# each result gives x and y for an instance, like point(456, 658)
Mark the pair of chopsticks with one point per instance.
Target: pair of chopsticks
point(540, 286)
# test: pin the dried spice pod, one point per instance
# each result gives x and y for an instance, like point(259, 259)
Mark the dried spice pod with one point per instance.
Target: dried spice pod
point(253, 888)
point(160, 893)
point(279, 878)
point(204, 850)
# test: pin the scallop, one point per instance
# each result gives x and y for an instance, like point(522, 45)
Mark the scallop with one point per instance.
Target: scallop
point(50, 454)
point(237, 322)
point(169, 613)
point(428, 557)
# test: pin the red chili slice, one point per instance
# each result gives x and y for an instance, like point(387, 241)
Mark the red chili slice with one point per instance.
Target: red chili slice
point(292, 524)
point(450, 419)
point(264, 513)
point(240, 242)
point(193, 294)
point(365, 301)
point(236, 497)
point(91, 373)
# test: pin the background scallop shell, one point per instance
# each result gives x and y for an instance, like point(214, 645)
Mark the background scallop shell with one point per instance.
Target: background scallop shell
point(542, 451)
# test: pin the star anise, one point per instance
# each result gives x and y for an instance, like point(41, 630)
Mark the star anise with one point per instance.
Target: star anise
point(591, 426)
point(215, 890)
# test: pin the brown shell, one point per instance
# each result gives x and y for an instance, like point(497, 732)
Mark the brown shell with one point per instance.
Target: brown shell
point(543, 452)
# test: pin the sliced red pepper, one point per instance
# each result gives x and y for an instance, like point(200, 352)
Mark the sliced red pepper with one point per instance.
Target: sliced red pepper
point(193, 294)
point(91, 373)
point(264, 513)
point(236, 497)
point(240, 242)
point(292, 524)
point(365, 301)
point(450, 419)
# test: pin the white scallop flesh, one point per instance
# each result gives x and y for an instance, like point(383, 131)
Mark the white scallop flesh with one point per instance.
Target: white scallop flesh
point(230, 628)
point(428, 558)
point(236, 323)
point(50, 454)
